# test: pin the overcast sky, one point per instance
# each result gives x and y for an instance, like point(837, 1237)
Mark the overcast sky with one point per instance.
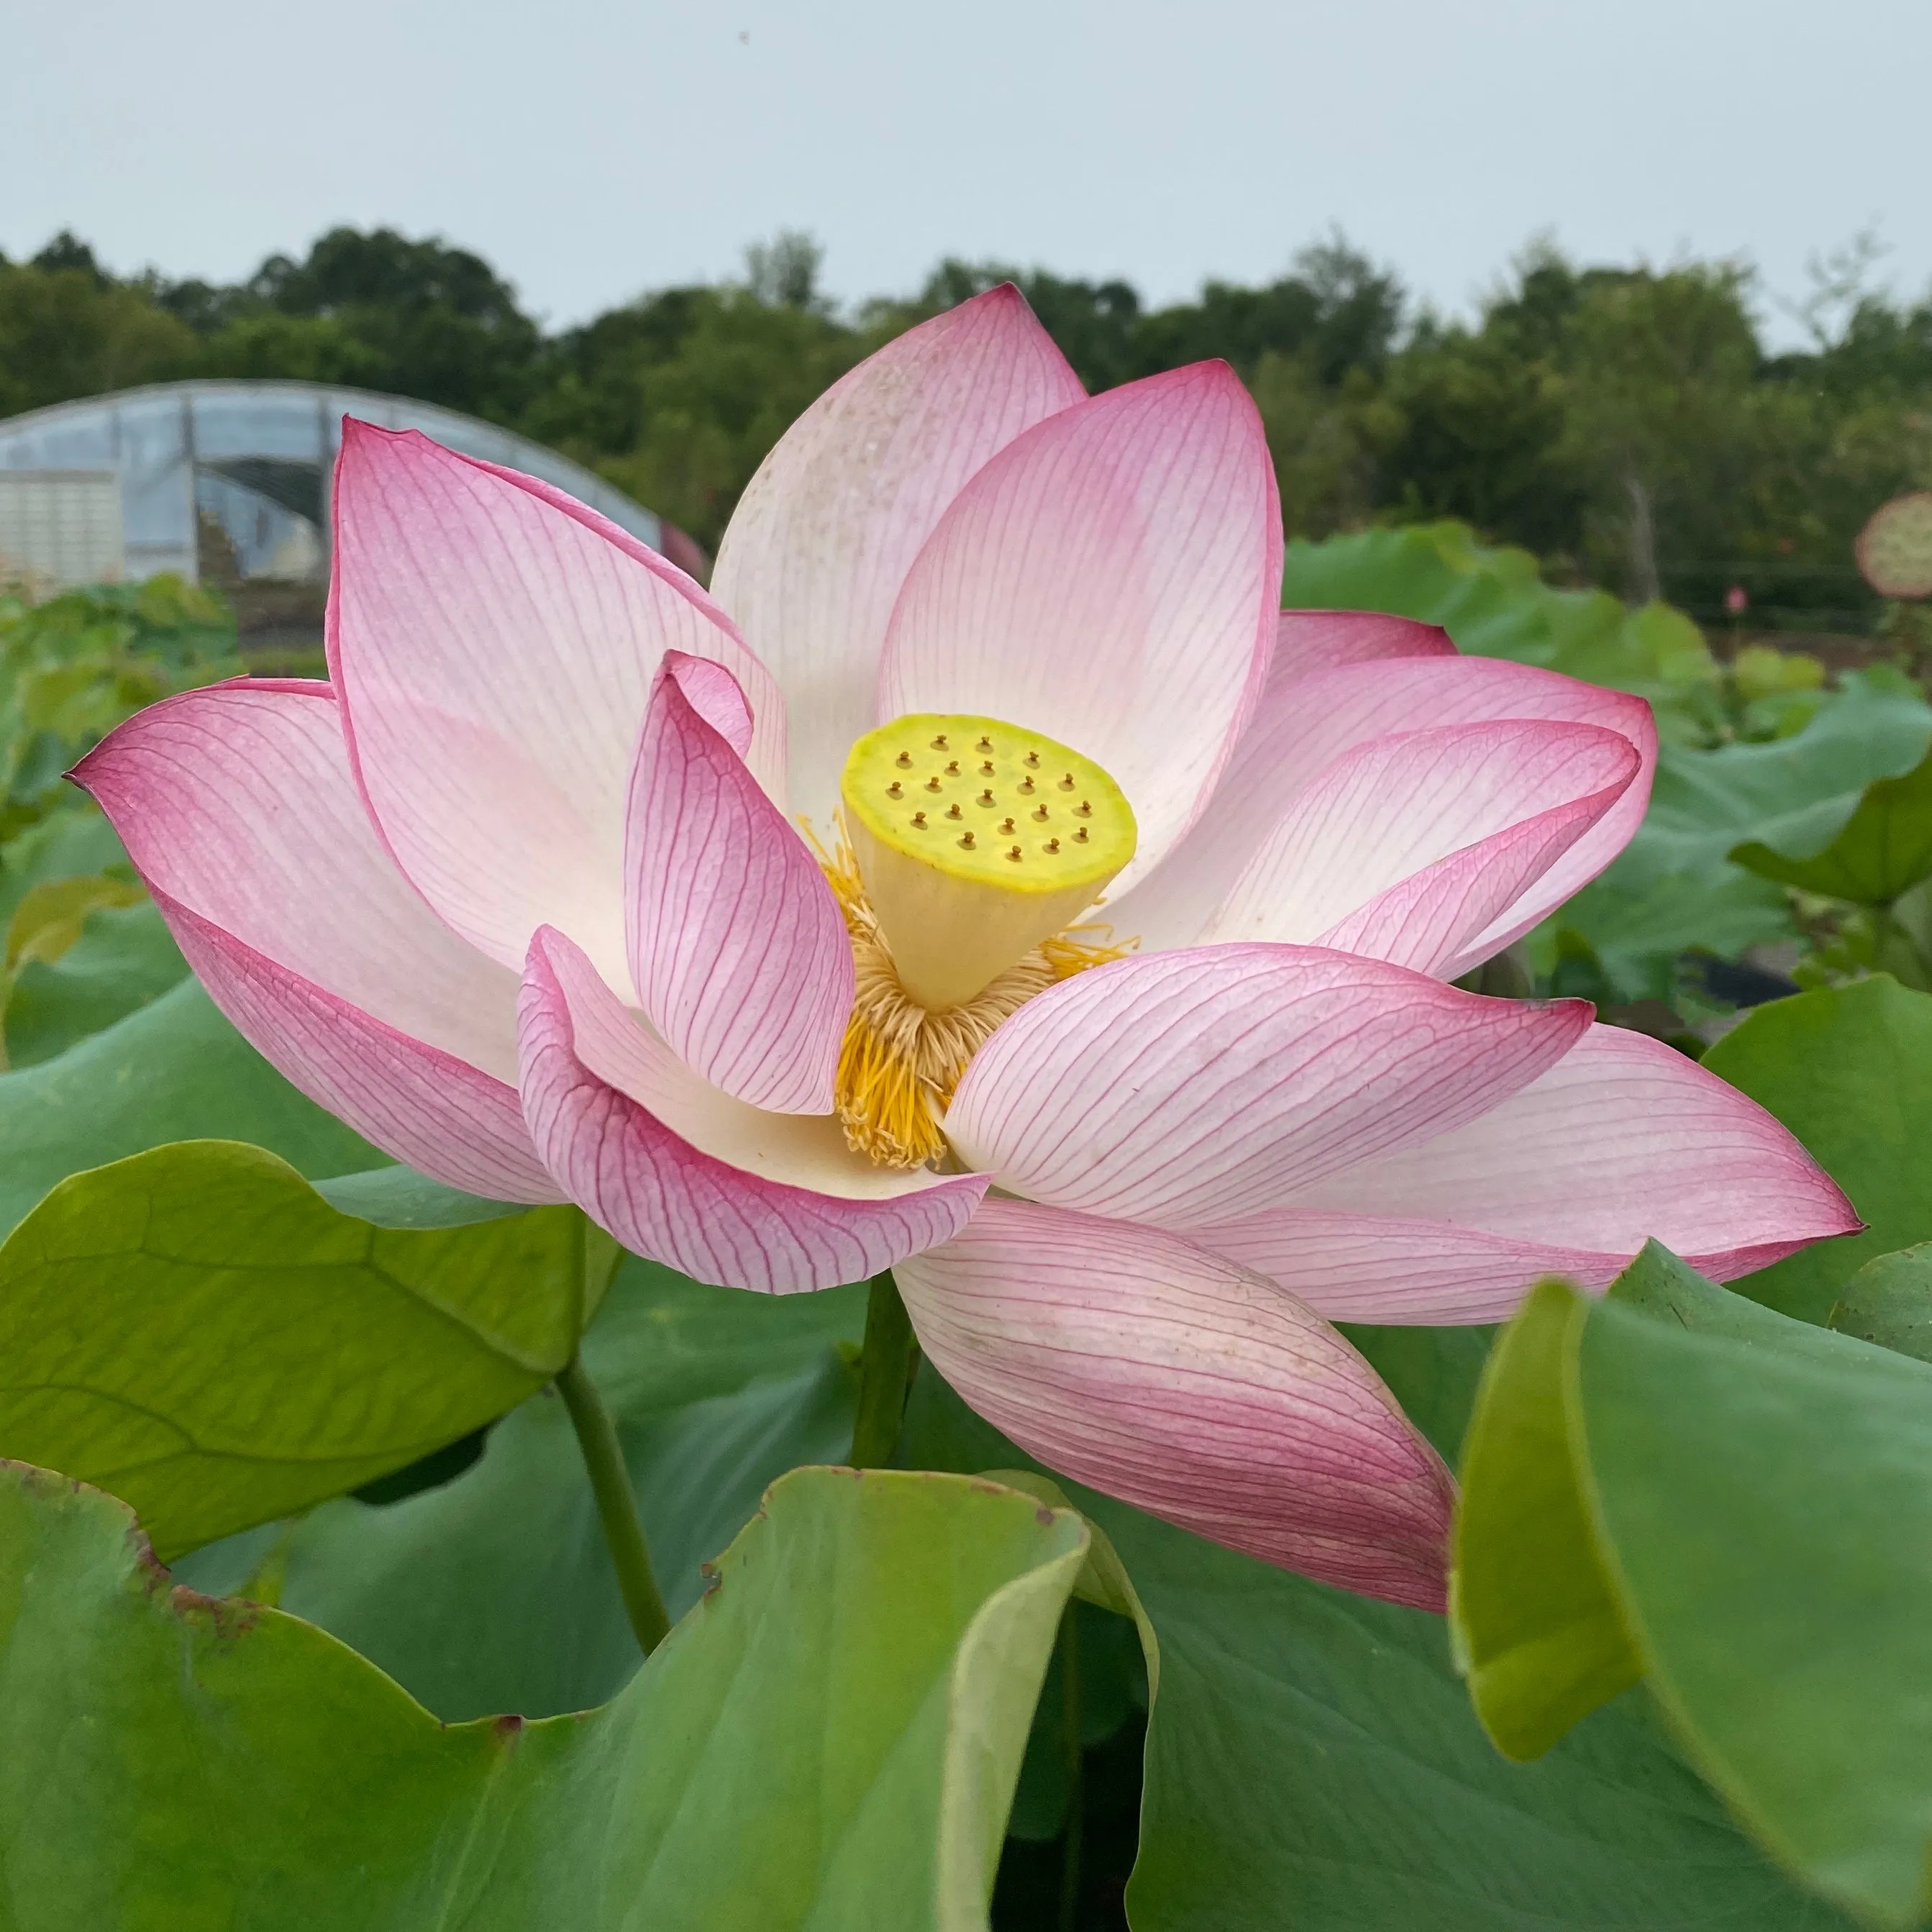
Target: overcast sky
point(593, 150)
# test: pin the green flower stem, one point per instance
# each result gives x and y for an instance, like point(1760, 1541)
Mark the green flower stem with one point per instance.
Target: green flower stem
point(616, 1506)
point(1884, 930)
point(886, 1367)
point(1071, 1755)
point(1895, 951)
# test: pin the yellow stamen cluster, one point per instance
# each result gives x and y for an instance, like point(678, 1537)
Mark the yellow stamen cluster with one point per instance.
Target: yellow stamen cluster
point(901, 1062)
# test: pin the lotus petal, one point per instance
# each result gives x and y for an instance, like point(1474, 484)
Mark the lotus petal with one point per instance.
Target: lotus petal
point(738, 949)
point(677, 1169)
point(824, 535)
point(1196, 1086)
point(1109, 579)
point(1131, 1361)
point(1306, 724)
point(1407, 847)
point(439, 1114)
point(494, 646)
point(1311, 641)
point(1623, 1139)
point(237, 806)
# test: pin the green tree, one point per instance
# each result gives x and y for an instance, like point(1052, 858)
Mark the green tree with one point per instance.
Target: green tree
point(1471, 431)
point(1626, 425)
point(68, 331)
point(706, 413)
point(419, 318)
point(1658, 371)
point(1335, 308)
point(300, 348)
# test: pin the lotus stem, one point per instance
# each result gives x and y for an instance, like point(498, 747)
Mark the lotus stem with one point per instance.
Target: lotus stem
point(1069, 1744)
point(886, 1368)
point(616, 1504)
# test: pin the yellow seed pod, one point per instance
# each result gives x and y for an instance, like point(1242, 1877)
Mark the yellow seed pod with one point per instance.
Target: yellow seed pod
point(976, 840)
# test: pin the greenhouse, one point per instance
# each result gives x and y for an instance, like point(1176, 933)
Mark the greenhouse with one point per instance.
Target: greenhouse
point(226, 479)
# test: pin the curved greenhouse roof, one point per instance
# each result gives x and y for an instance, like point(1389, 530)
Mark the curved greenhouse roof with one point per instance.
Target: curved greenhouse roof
point(126, 485)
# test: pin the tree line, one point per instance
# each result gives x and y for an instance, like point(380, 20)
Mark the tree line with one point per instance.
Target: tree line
point(1629, 426)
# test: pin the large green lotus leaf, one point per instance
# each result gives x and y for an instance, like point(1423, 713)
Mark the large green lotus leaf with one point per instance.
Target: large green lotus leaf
point(1116, 1669)
point(1885, 848)
point(48, 917)
point(494, 1591)
point(1674, 889)
point(1313, 1760)
point(1794, 794)
point(1889, 1301)
point(124, 958)
point(71, 843)
point(116, 956)
point(829, 1739)
point(1549, 1645)
point(1742, 1505)
point(175, 1070)
point(1493, 603)
point(1848, 1070)
point(1639, 932)
point(198, 1329)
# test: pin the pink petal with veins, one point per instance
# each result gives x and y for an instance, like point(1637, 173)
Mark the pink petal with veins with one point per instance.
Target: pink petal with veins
point(715, 695)
point(1311, 641)
point(1430, 921)
point(824, 535)
point(439, 1114)
point(738, 949)
point(237, 806)
point(1196, 1087)
point(1484, 809)
point(678, 1170)
point(1132, 1361)
point(494, 646)
point(1306, 724)
point(1426, 1273)
point(1109, 579)
point(1623, 1139)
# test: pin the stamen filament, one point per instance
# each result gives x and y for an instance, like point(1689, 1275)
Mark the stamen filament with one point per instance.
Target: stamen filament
point(900, 1063)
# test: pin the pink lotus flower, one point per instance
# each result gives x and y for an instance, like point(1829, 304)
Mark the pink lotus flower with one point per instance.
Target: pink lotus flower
point(518, 894)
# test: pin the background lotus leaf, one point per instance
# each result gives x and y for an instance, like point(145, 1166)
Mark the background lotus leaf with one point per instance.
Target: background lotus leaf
point(1885, 848)
point(200, 1330)
point(1848, 1070)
